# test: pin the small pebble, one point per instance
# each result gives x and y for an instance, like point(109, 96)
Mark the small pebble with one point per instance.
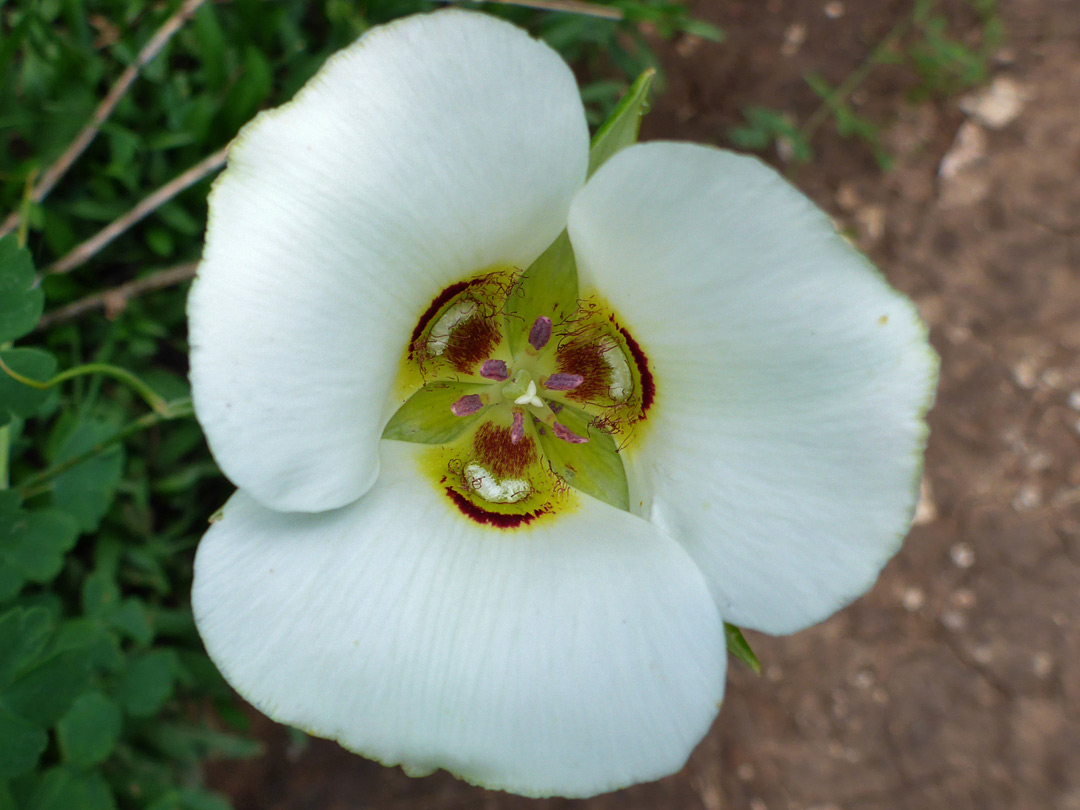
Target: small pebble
point(1074, 399)
point(954, 620)
point(982, 653)
point(758, 804)
point(864, 679)
point(1029, 497)
point(964, 599)
point(834, 9)
point(1042, 664)
point(962, 555)
point(913, 599)
point(794, 37)
point(745, 772)
point(773, 673)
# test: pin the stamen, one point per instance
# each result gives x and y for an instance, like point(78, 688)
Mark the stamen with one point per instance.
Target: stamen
point(540, 333)
point(563, 382)
point(517, 431)
point(567, 435)
point(530, 397)
point(494, 370)
point(467, 405)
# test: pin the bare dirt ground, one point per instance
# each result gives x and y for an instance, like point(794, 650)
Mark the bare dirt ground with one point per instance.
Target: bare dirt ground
point(955, 683)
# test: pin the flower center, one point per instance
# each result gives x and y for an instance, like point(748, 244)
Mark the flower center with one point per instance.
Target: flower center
point(526, 399)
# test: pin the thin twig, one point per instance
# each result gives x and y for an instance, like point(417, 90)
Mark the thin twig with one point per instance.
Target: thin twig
point(114, 301)
point(83, 252)
point(571, 6)
point(51, 176)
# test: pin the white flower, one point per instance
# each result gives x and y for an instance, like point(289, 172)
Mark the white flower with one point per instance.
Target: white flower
point(449, 602)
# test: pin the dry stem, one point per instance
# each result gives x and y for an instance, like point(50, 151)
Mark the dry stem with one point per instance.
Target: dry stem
point(115, 300)
point(84, 251)
point(571, 6)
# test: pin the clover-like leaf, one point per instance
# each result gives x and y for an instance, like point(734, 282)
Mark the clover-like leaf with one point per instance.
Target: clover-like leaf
point(89, 731)
point(23, 635)
point(44, 692)
point(85, 491)
point(148, 682)
point(21, 744)
point(37, 541)
point(593, 466)
point(21, 303)
point(622, 126)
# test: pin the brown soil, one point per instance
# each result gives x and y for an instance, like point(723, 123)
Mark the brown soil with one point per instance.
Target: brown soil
point(956, 682)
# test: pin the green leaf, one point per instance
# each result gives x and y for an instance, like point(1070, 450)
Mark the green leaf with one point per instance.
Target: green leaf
point(65, 789)
point(148, 683)
point(21, 303)
point(89, 731)
point(594, 467)
point(426, 417)
point(44, 693)
point(23, 635)
point(621, 128)
point(16, 397)
point(740, 648)
point(549, 287)
point(36, 542)
point(21, 744)
point(131, 620)
point(86, 490)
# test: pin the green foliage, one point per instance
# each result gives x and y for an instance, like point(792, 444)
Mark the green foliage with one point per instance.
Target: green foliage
point(920, 44)
point(107, 699)
point(947, 65)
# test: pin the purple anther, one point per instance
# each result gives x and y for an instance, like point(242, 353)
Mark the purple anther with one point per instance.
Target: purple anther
point(563, 382)
point(567, 435)
point(540, 333)
point(467, 405)
point(494, 370)
point(517, 431)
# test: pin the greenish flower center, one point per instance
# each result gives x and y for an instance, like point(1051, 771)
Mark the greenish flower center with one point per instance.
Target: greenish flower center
point(527, 391)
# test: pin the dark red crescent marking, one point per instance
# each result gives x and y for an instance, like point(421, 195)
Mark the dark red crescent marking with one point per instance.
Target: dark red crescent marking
point(648, 387)
point(486, 518)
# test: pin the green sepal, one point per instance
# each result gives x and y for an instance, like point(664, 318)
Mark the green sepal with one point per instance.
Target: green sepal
point(21, 303)
point(548, 287)
point(18, 398)
point(622, 126)
point(739, 647)
point(426, 418)
point(594, 467)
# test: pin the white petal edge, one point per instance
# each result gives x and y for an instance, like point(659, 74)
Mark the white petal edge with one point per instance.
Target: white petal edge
point(568, 657)
point(785, 443)
point(434, 147)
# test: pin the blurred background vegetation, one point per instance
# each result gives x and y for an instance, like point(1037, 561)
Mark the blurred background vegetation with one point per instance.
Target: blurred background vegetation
point(106, 697)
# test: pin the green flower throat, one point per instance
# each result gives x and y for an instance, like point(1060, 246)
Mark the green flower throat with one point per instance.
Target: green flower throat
point(526, 392)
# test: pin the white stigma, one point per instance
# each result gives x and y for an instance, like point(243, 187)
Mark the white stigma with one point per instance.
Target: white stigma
point(530, 397)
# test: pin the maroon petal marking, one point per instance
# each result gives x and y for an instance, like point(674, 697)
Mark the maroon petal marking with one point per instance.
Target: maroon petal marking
point(567, 435)
point(467, 405)
point(494, 370)
point(517, 431)
point(540, 333)
point(563, 382)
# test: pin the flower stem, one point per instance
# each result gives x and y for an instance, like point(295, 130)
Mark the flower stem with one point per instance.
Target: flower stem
point(148, 395)
point(177, 409)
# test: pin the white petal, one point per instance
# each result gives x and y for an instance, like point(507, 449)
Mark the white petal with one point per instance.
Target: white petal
point(785, 442)
point(434, 147)
point(572, 656)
